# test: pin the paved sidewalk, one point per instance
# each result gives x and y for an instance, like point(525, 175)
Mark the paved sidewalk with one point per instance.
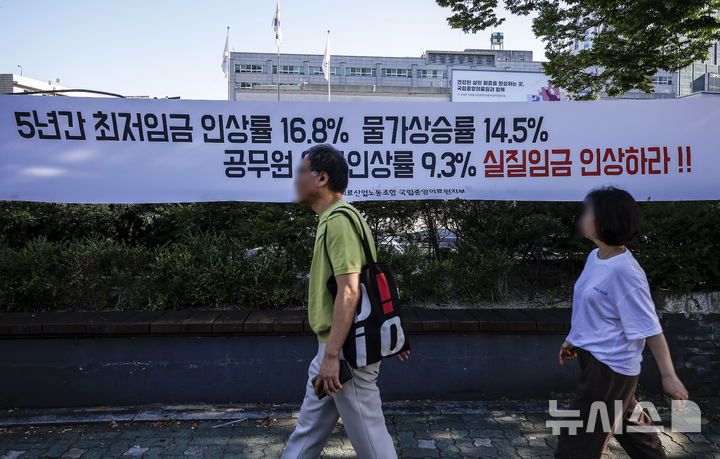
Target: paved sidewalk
point(506, 429)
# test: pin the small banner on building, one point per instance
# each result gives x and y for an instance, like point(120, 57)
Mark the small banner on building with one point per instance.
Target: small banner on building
point(90, 150)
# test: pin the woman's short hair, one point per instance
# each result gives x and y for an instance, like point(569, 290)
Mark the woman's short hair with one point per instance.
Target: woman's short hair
point(325, 158)
point(617, 215)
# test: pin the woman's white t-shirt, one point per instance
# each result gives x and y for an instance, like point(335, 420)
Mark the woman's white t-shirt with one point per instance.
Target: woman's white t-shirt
point(613, 312)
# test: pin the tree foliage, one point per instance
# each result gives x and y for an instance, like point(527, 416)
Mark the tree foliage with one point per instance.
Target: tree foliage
point(633, 39)
point(257, 255)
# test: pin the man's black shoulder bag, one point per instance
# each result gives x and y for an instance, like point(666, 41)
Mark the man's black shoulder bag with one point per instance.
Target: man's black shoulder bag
point(376, 331)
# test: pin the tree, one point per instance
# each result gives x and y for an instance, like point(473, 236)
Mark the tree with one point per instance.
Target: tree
point(631, 39)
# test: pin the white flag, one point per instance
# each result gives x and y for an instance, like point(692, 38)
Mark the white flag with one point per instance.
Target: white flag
point(326, 58)
point(226, 54)
point(276, 25)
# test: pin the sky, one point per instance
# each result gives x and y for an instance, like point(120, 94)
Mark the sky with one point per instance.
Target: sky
point(162, 48)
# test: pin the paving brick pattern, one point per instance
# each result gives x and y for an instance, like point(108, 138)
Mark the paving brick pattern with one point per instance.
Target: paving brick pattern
point(494, 432)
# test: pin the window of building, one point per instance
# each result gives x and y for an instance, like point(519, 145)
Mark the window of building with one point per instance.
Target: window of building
point(424, 73)
point(243, 85)
point(317, 70)
point(662, 80)
point(290, 69)
point(404, 73)
point(360, 71)
point(250, 68)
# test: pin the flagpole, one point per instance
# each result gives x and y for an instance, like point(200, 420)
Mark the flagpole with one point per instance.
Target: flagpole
point(328, 72)
point(278, 39)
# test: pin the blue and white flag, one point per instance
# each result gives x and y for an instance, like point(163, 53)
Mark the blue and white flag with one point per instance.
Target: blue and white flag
point(276, 25)
point(326, 58)
point(226, 54)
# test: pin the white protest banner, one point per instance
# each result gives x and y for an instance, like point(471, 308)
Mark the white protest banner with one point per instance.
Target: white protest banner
point(90, 150)
point(502, 86)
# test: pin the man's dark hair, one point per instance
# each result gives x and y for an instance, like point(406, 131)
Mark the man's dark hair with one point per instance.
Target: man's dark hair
point(617, 215)
point(325, 158)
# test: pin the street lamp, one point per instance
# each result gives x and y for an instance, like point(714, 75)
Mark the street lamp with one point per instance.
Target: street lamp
point(20, 69)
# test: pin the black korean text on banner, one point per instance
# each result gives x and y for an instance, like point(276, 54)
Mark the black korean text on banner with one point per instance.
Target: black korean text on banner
point(62, 149)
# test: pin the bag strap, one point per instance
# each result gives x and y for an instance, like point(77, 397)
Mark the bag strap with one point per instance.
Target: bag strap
point(363, 236)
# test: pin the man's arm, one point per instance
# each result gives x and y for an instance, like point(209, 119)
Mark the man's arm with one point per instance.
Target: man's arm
point(346, 257)
point(671, 383)
point(346, 300)
point(348, 294)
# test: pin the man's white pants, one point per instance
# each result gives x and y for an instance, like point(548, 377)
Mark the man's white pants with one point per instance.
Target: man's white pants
point(357, 403)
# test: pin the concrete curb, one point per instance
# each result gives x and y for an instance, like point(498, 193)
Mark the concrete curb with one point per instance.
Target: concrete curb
point(236, 412)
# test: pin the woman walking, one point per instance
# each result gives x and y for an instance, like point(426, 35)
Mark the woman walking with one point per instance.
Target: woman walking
point(613, 316)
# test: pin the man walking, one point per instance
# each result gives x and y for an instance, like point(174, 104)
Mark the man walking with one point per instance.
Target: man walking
point(320, 181)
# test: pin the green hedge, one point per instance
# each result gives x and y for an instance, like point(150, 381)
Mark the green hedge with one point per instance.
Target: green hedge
point(89, 257)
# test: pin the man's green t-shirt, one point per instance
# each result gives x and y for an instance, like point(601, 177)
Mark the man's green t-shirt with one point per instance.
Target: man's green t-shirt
point(347, 256)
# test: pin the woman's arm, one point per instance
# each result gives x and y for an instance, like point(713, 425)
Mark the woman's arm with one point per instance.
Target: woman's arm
point(671, 383)
point(567, 352)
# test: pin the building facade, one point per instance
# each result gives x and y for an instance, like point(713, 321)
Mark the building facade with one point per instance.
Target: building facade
point(254, 76)
point(701, 76)
point(11, 83)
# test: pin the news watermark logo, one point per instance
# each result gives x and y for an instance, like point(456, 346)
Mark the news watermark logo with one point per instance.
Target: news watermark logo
point(685, 416)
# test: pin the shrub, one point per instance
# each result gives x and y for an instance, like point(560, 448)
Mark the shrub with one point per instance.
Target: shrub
point(33, 276)
point(103, 273)
point(72, 256)
point(419, 277)
point(87, 274)
point(209, 270)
